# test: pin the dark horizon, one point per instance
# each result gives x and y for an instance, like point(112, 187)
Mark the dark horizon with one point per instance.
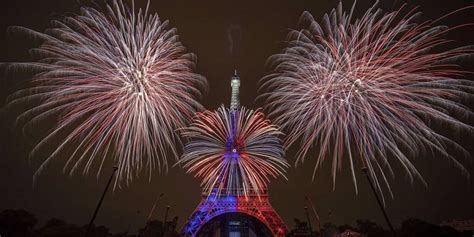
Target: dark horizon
point(204, 28)
point(22, 223)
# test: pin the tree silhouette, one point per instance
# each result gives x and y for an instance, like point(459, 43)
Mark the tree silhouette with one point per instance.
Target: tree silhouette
point(17, 223)
point(415, 228)
point(370, 228)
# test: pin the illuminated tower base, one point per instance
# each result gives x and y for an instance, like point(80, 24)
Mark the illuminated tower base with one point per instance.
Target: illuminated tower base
point(255, 206)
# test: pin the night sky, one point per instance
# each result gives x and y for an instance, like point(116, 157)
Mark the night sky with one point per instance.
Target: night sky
point(258, 29)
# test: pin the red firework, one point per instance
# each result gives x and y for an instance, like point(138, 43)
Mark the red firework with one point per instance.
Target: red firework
point(121, 83)
point(367, 88)
point(233, 151)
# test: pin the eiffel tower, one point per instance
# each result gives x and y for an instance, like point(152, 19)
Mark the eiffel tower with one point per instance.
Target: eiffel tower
point(221, 201)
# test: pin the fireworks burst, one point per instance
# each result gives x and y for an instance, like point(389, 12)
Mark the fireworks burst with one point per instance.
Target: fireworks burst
point(233, 158)
point(367, 88)
point(122, 83)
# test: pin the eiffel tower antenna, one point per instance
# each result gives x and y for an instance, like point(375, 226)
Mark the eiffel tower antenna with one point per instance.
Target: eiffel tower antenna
point(234, 100)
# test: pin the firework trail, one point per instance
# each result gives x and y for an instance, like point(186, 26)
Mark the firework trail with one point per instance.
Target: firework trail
point(364, 91)
point(233, 158)
point(122, 84)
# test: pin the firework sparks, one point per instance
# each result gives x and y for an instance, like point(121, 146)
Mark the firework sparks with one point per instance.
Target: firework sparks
point(240, 157)
point(366, 89)
point(122, 83)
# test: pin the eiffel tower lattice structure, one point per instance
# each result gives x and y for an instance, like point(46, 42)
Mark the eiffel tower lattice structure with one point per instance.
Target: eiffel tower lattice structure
point(230, 194)
point(254, 204)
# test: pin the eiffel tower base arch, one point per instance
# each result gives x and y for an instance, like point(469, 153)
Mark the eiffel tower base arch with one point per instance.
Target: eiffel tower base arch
point(255, 205)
